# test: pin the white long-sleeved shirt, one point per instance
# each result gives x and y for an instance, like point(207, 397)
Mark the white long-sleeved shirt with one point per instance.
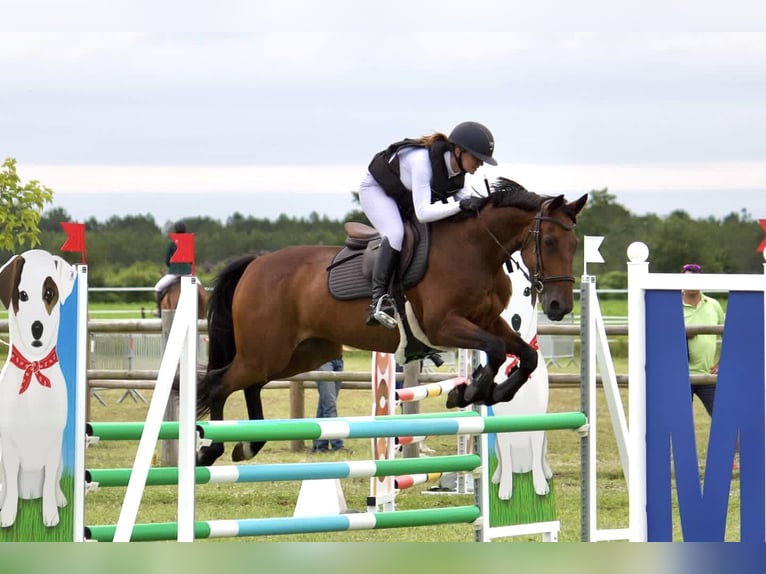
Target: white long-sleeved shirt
point(415, 173)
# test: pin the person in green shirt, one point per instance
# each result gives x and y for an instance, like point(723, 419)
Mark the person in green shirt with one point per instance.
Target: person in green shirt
point(699, 309)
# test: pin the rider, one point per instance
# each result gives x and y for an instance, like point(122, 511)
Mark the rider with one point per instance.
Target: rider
point(174, 269)
point(419, 179)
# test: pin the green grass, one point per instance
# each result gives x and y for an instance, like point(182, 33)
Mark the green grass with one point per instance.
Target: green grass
point(29, 523)
point(525, 506)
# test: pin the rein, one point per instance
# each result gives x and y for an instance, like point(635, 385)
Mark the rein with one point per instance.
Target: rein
point(536, 279)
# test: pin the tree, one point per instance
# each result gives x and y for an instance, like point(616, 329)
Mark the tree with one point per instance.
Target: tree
point(21, 207)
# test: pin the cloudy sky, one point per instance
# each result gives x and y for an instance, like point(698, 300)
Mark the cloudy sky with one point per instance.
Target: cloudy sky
point(284, 118)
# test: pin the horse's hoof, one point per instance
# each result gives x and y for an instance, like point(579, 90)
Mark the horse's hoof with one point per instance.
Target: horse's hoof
point(238, 454)
point(456, 397)
point(208, 455)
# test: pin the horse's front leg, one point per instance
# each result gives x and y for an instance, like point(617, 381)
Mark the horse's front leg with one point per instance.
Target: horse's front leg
point(459, 332)
point(247, 450)
point(528, 358)
point(497, 346)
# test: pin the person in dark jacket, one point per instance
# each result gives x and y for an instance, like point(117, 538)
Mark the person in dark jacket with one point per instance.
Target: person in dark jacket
point(173, 269)
point(423, 179)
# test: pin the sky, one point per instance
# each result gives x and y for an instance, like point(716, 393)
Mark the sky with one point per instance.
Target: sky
point(284, 117)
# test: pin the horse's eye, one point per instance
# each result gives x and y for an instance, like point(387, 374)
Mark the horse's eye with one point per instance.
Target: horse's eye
point(23, 296)
point(549, 242)
point(48, 295)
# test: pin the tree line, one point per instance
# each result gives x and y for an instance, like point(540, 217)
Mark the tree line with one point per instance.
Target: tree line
point(129, 251)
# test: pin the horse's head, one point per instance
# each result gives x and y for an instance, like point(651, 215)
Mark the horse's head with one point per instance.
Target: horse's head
point(548, 252)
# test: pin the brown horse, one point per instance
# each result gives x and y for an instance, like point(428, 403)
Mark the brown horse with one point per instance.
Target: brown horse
point(272, 316)
point(170, 295)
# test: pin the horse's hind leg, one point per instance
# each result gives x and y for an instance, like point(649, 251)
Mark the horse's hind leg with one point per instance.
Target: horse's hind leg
point(247, 450)
point(211, 393)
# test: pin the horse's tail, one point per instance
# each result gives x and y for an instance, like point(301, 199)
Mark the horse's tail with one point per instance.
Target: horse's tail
point(220, 327)
point(219, 320)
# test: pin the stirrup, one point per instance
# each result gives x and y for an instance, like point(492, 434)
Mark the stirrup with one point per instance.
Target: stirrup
point(385, 312)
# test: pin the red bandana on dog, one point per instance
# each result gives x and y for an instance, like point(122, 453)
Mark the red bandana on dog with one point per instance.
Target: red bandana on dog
point(35, 367)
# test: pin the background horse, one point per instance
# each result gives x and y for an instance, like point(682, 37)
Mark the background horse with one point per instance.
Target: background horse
point(272, 316)
point(172, 292)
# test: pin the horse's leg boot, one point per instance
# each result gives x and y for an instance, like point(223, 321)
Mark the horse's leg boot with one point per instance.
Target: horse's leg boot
point(479, 390)
point(382, 309)
point(456, 397)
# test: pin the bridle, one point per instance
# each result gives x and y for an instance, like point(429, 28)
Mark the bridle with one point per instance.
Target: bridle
point(536, 278)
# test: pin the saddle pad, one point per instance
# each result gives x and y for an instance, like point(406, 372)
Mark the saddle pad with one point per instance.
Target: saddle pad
point(347, 281)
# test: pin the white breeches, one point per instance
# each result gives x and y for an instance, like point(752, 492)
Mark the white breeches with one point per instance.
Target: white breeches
point(382, 211)
point(164, 281)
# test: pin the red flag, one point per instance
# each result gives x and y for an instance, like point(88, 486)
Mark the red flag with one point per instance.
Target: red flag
point(75, 237)
point(762, 246)
point(184, 252)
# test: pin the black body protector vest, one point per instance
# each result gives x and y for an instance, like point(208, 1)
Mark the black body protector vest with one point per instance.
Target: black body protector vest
point(385, 170)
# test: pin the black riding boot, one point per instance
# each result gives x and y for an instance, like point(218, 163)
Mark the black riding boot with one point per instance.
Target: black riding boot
point(382, 309)
point(158, 298)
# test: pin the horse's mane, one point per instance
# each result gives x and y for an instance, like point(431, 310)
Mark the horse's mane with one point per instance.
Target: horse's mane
point(508, 193)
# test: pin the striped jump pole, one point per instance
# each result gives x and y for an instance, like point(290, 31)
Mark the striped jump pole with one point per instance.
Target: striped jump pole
point(419, 393)
point(291, 471)
point(369, 427)
point(428, 390)
point(404, 440)
point(410, 480)
point(96, 431)
point(293, 525)
point(467, 422)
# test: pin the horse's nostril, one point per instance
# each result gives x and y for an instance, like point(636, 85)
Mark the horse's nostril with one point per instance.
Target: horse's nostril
point(37, 329)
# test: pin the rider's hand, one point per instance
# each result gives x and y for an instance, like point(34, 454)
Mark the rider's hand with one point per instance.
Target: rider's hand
point(472, 203)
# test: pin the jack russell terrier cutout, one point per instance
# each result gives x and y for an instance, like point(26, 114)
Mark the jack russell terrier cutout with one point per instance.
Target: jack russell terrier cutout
point(522, 452)
point(33, 391)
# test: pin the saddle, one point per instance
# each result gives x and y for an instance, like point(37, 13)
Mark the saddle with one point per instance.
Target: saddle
point(350, 273)
point(350, 277)
point(164, 291)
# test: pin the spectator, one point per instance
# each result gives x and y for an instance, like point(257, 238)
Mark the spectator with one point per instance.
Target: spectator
point(699, 309)
point(327, 405)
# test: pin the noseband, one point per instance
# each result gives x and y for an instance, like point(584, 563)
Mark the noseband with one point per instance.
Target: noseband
point(536, 279)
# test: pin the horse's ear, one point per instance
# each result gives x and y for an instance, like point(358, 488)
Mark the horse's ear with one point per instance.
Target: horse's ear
point(556, 203)
point(579, 204)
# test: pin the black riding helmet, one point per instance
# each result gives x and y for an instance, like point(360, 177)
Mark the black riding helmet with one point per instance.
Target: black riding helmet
point(476, 139)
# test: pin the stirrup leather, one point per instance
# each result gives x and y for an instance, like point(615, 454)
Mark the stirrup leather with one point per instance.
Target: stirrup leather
point(385, 312)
